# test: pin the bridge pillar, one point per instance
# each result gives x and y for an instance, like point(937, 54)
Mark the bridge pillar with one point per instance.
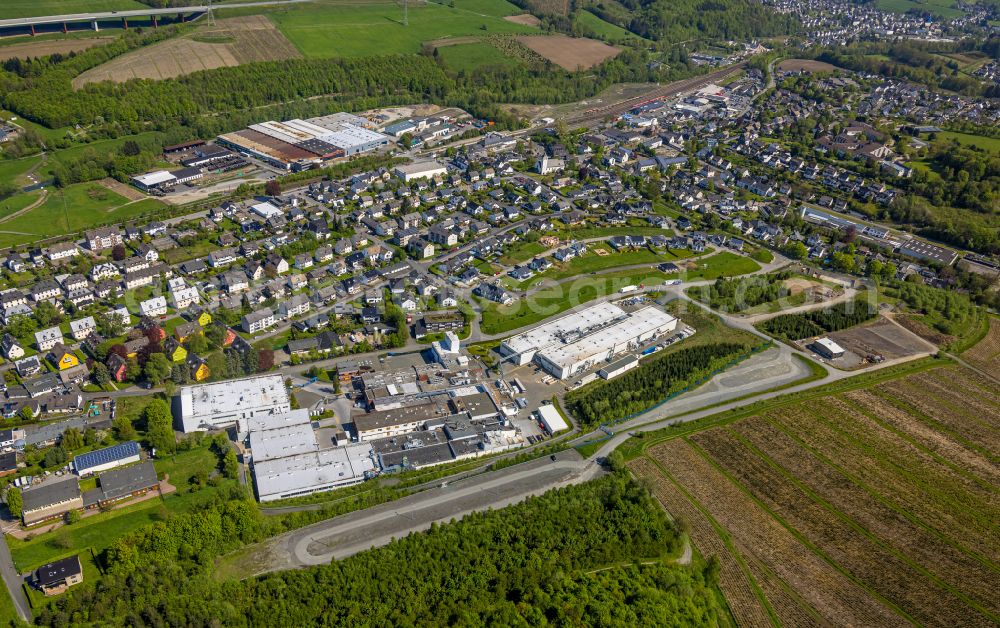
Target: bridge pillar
point(65, 30)
point(182, 17)
point(125, 23)
point(32, 30)
point(155, 24)
point(94, 26)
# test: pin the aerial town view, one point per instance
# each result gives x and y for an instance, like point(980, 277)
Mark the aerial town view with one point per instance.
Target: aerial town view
point(500, 312)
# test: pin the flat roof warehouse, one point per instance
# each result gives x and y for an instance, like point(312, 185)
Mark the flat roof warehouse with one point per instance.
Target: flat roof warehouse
point(583, 339)
point(297, 144)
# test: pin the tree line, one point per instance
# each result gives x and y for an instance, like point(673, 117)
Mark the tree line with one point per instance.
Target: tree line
point(640, 388)
point(808, 324)
point(526, 564)
point(210, 102)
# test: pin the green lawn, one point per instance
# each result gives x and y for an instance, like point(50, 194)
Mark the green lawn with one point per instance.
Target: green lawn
point(31, 8)
point(44, 131)
point(99, 531)
point(521, 252)
point(336, 30)
point(73, 209)
point(589, 231)
point(8, 614)
point(605, 30)
point(979, 141)
point(16, 203)
point(100, 147)
point(556, 299)
point(942, 8)
point(552, 300)
point(468, 57)
point(592, 262)
point(11, 169)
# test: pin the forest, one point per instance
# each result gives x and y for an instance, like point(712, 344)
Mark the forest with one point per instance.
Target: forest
point(742, 293)
point(917, 62)
point(210, 102)
point(533, 563)
point(808, 324)
point(641, 388)
point(675, 21)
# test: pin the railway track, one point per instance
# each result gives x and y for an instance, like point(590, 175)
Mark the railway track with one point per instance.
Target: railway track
point(677, 87)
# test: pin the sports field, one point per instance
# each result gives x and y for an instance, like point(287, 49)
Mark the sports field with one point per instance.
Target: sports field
point(334, 29)
point(32, 8)
point(870, 503)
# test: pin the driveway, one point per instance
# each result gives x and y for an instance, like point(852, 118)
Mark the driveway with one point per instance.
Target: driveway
point(14, 582)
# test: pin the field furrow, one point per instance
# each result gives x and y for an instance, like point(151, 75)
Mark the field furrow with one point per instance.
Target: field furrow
point(941, 481)
point(849, 495)
point(790, 608)
point(973, 430)
point(879, 570)
point(885, 478)
point(939, 442)
point(986, 353)
point(970, 381)
point(835, 597)
point(733, 582)
point(960, 395)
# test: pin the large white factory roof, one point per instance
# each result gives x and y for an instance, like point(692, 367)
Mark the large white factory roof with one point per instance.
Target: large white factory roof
point(349, 135)
point(282, 131)
point(207, 400)
point(549, 334)
point(279, 435)
point(599, 343)
point(312, 471)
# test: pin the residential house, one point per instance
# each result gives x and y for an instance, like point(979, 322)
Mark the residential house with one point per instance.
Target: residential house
point(48, 338)
point(82, 328)
point(157, 306)
point(62, 357)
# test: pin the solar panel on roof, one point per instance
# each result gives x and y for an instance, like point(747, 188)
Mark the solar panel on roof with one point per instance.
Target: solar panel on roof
point(106, 455)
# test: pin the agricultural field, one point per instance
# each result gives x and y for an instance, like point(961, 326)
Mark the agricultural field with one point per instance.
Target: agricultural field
point(47, 47)
point(985, 354)
point(468, 57)
point(570, 53)
point(333, 29)
point(75, 208)
point(871, 503)
point(32, 8)
point(979, 141)
point(231, 42)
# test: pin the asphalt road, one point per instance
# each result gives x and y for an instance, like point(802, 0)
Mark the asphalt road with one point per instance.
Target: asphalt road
point(349, 534)
point(14, 582)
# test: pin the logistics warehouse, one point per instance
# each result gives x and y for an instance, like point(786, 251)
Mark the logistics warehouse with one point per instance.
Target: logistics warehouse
point(581, 340)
